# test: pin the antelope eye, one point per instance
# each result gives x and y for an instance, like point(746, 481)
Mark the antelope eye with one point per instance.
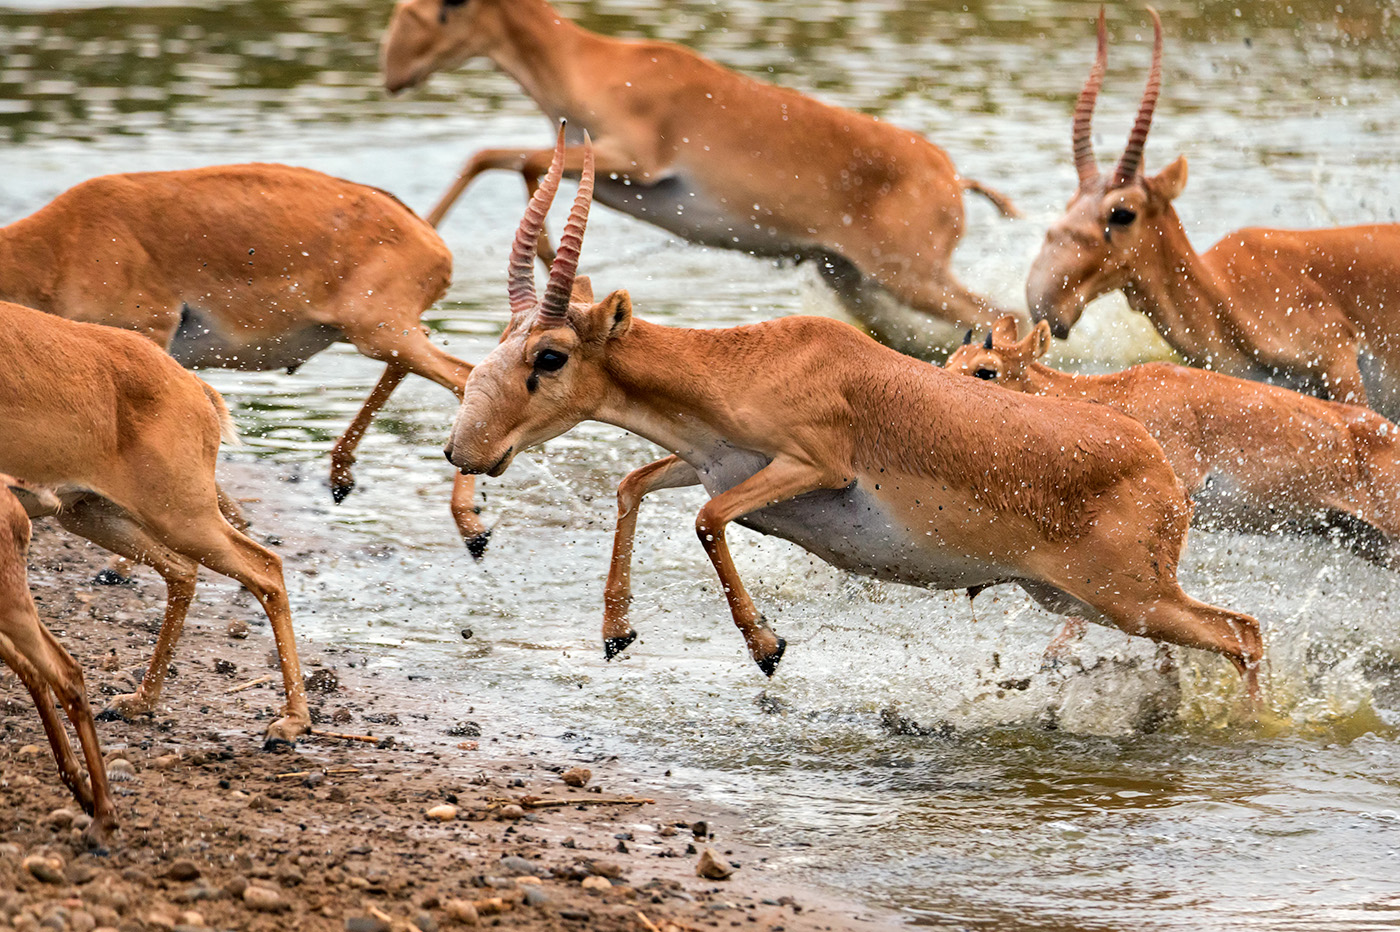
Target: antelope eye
point(985, 373)
point(1121, 216)
point(551, 360)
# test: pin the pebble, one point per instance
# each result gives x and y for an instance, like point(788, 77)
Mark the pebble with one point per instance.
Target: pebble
point(596, 883)
point(464, 730)
point(29, 750)
point(443, 813)
point(534, 896)
point(518, 865)
point(79, 873)
point(342, 716)
point(47, 870)
point(165, 761)
point(237, 629)
point(288, 875)
point(510, 813)
point(263, 900)
point(576, 776)
point(425, 923)
point(463, 911)
point(225, 667)
point(606, 869)
point(59, 818)
point(700, 829)
point(121, 770)
point(81, 921)
point(191, 918)
point(160, 921)
point(366, 924)
point(711, 867)
point(183, 870)
point(323, 680)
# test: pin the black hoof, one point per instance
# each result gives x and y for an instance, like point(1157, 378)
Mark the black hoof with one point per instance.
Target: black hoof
point(769, 664)
point(341, 492)
point(278, 745)
point(476, 546)
point(110, 577)
point(614, 646)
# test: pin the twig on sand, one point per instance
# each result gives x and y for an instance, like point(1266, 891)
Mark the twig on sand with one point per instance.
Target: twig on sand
point(540, 802)
point(302, 774)
point(368, 739)
point(248, 685)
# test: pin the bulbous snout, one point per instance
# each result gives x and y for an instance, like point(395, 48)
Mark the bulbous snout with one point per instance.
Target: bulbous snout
point(1053, 297)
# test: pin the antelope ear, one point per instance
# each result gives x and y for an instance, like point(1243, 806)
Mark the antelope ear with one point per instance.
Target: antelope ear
point(1004, 330)
point(611, 317)
point(583, 291)
point(1171, 181)
point(1040, 339)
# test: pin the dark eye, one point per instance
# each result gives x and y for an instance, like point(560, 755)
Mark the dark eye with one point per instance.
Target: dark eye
point(985, 373)
point(1121, 216)
point(551, 360)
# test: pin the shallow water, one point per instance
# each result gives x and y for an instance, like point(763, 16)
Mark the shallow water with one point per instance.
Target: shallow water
point(909, 751)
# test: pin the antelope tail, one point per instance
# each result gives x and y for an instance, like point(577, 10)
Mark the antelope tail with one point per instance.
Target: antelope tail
point(1000, 201)
point(227, 431)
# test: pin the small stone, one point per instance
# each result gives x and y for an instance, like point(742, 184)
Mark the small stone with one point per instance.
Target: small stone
point(342, 716)
point(323, 680)
point(534, 896)
point(576, 776)
point(518, 865)
point(443, 813)
point(606, 869)
point(29, 750)
point(59, 819)
point(666, 831)
point(225, 667)
point(464, 730)
point(183, 871)
point(237, 629)
point(264, 900)
point(490, 906)
point(463, 911)
point(236, 887)
point(165, 761)
point(288, 875)
point(121, 770)
point(191, 918)
point(596, 883)
point(81, 921)
point(510, 813)
point(366, 924)
point(160, 921)
point(700, 829)
point(711, 867)
point(79, 873)
point(45, 870)
point(425, 923)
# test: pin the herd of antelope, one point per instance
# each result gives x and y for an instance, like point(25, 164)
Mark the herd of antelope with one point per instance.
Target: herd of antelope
point(1078, 489)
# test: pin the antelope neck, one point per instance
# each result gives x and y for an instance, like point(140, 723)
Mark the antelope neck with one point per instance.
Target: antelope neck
point(1185, 299)
point(538, 51)
point(27, 267)
point(662, 386)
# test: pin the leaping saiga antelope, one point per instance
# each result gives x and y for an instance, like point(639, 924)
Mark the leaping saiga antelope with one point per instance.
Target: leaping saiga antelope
point(806, 429)
point(1292, 307)
point(252, 267)
point(42, 665)
point(710, 155)
point(128, 441)
point(1252, 456)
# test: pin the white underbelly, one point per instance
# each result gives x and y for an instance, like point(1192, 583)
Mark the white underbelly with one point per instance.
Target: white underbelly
point(852, 529)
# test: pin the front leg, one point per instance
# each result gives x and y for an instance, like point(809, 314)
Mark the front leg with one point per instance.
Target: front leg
point(779, 481)
point(669, 473)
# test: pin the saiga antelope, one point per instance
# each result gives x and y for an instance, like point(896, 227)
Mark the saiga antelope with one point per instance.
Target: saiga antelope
point(710, 155)
point(128, 441)
point(806, 429)
point(1252, 456)
point(1286, 306)
point(250, 267)
point(42, 665)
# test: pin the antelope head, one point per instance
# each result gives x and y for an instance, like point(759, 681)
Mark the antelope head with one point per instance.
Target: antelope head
point(1112, 221)
point(549, 371)
point(1001, 358)
point(436, 35)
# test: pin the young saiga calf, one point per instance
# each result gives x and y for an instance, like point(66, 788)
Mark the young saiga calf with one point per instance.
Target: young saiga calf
point(42, 665)
point(710, 155)
point(251, 267)
point(806, 429)
point(1292, 307)
point(128, 441)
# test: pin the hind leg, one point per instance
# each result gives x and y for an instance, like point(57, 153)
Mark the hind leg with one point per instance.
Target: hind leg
point(68, 770)
point(107, 525)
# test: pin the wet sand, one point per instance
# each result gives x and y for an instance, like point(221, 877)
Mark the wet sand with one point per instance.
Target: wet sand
point(334, 834)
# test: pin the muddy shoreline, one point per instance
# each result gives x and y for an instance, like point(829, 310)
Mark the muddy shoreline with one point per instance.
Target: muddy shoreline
point(334, 834)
